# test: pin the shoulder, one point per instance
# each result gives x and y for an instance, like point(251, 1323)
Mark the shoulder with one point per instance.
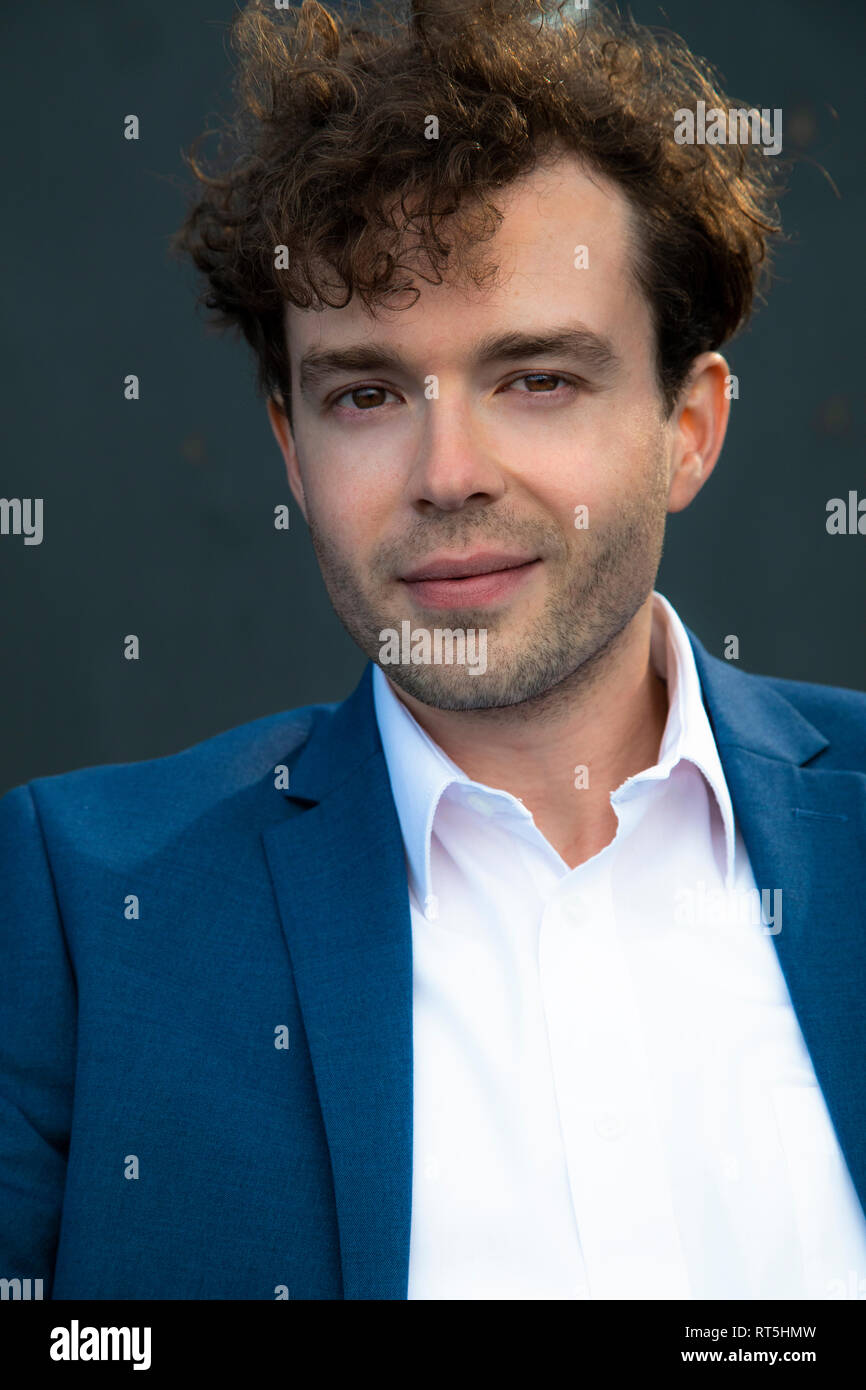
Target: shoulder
point(835, 701)
point(231, 768)
point(838, 712)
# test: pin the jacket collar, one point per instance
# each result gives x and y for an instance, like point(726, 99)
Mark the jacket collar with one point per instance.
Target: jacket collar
point(747, 713)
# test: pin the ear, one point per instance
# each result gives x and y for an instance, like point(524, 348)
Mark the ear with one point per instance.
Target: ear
point(282, 432)
point(699, 424)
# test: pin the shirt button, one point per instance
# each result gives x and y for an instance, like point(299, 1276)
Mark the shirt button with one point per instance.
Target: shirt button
point(479, 804)
point(610, 1126)
point(581, 1291)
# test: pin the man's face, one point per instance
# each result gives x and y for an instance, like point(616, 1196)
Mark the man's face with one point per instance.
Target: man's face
point(449, 445)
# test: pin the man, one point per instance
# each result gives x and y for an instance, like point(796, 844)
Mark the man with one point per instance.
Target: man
point(534, 969)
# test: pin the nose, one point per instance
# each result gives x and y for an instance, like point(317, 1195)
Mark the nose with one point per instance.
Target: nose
point(455, 463)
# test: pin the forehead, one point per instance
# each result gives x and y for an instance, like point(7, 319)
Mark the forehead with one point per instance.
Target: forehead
point(563, 250)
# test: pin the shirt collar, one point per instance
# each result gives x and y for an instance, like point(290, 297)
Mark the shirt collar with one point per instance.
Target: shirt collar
point(421, 772)
point(687, 732)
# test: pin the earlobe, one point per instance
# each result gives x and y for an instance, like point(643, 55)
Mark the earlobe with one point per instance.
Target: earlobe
point(694, 464)
point(687, 481)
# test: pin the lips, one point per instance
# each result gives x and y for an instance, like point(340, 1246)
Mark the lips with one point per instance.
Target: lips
point(470, 581)
point(456, 567)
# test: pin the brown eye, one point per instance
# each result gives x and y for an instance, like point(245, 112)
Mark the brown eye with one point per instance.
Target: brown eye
point(541, 381)
point(366, 396)
point(357, 399)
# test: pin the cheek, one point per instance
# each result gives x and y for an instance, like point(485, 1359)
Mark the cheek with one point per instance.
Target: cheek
point(348, 505)
point(603, 471)
point(358, 468)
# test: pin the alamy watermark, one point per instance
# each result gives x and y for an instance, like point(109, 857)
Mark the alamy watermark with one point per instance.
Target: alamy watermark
point(77, 1343)
point(23, 1289)
point(739, 125)
point(438, 646)
point(702, 906)
point(22, 516)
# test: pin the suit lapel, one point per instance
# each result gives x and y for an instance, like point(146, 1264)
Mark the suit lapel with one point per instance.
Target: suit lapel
point(804, 829)
point(339, 874)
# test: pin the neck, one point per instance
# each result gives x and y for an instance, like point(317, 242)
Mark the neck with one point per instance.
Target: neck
point(609, 717)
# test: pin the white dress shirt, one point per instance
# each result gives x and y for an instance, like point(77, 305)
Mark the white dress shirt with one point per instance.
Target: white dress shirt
point(613, 1098)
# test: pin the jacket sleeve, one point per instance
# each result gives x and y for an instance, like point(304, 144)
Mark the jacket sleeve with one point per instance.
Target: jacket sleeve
point(37, 1047)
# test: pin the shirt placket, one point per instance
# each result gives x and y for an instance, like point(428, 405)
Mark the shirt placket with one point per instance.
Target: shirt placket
point(617, 1170)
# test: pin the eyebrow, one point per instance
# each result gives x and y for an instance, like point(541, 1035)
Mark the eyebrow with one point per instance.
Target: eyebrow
point(591, 349)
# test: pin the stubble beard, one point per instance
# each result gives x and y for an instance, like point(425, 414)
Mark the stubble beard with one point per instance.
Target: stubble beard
point(596, 583)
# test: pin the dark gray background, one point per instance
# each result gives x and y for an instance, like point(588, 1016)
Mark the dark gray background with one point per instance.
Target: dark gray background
point(158, 514)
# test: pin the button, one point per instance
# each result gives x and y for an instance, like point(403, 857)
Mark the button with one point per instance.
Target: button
point(610, 1125)
point(480, 804)
point(581, 1291)
point(431, 907)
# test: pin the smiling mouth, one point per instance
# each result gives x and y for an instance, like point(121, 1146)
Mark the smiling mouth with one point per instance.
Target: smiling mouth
point(467, 566)
point(482, 580)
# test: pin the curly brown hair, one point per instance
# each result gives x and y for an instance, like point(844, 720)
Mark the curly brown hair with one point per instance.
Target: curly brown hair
point(327, 156)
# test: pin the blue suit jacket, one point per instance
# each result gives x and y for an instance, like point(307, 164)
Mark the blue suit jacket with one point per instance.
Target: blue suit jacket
point(261, 1167)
